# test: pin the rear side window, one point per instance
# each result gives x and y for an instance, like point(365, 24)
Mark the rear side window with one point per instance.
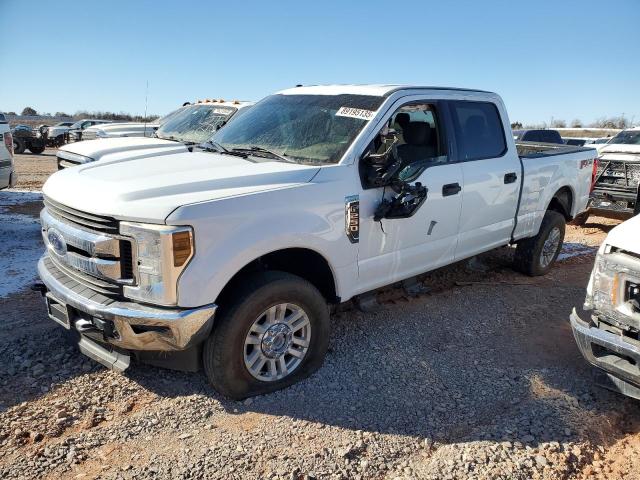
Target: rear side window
point(479, 132)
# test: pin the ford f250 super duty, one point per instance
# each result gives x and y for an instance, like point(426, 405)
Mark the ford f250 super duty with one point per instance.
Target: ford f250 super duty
point(178, 131)
point(228, 256)
point(609, 334)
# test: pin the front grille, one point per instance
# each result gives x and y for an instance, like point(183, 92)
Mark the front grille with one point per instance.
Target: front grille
point(92, 253)
point(619, 173)
point(97, 223)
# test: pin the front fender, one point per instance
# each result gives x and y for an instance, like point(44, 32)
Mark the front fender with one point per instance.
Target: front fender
point(231, 233)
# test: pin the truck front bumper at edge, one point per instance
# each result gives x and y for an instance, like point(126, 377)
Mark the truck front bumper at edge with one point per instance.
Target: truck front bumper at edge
point(619, 358)
point(109, 329)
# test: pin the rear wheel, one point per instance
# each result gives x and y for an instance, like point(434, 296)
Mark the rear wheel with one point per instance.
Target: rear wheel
point(273, 332)
point(36, 149)
point(536, 255)
point(18, 145)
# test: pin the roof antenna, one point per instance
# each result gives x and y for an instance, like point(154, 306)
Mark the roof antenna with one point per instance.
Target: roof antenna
point(146, 97)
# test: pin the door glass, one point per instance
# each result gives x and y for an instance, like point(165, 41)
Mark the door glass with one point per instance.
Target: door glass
point(418, 139)
point(479, 132)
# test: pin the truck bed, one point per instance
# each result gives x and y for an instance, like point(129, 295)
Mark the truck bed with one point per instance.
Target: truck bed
point(538, 150)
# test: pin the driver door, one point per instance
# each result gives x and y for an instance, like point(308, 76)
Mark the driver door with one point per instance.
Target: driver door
point(391, 250)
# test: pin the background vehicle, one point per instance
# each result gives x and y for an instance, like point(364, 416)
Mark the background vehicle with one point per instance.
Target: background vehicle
point(576, 142)
point(74, 133)
point(27, 138)
point(55, 133)
point(7, 174)
point(542, 136)
point(616, 192)
point(178, 131)
point(608, 336)
point(125, 129)
point(313, 196)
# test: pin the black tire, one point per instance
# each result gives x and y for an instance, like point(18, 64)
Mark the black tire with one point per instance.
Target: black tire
point(224, 351)
point(580, 219)
point(18, 145)
point(36, 149)
point(528, 256)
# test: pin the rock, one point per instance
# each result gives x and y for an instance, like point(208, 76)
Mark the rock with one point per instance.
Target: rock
point(184, 436)
point(541, 461)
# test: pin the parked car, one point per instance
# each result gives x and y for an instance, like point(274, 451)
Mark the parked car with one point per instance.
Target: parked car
point(179, 131)
point(540, 136)
point(607, 333)
point(616, 192)
point(117, 129)
point(56, 133)
point(577, 142)
point(74, 134)
point(7, 174)
point(598, 143)
point(28, 138)
point(228, 256)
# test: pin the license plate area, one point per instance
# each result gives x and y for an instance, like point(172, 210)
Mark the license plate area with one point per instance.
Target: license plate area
point(58, 312)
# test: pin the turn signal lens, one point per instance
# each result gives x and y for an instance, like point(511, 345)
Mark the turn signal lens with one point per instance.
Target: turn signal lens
point(181, 248)
point(8, 142)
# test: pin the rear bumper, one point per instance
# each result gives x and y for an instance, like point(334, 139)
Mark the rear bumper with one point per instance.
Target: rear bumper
point(124, 325)
point(609, 352)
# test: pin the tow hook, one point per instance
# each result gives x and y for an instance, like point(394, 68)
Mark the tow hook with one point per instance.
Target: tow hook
point(39, 287)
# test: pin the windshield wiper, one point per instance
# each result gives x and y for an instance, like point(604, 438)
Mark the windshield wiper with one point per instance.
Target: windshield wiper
point(211, 146)
point(255, 149)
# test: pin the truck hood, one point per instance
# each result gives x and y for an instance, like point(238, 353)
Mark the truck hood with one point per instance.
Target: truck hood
point(625, 235)
point(149, 189)
point(114, 148)
point(620, 152)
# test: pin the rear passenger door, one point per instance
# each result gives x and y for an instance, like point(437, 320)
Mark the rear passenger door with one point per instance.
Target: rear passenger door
point(491, 176)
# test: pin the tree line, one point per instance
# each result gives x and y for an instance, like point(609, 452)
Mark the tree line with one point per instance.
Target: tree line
point(122, 117)
point(620, 122)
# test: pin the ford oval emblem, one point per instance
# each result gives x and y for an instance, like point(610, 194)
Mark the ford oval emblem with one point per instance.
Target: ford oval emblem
point(56, 241)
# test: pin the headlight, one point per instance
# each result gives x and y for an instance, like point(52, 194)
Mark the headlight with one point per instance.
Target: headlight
point(160, 255)
point(604, 286)
point(100, 134)
point(611, 288)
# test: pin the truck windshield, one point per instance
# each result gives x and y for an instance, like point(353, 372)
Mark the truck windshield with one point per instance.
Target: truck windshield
point(195, 123)
point(627, 137)
point(302, 128)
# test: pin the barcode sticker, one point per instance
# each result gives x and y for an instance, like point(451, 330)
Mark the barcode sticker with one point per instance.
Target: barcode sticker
point(355, 113)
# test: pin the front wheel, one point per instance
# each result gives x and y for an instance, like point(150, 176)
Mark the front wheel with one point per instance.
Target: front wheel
point(536, 255)
point(273, 332)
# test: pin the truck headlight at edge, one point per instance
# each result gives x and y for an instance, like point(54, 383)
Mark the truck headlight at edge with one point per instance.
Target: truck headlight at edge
point(160, 254)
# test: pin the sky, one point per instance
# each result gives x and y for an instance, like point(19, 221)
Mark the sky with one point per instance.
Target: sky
point(549, 59)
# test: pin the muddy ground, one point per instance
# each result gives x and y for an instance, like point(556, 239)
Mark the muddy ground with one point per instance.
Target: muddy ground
point(480, 378)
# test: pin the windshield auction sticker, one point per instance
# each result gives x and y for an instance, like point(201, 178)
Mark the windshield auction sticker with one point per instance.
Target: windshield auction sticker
point(355, 113)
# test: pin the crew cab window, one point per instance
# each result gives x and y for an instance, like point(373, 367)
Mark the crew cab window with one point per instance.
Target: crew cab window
point(479, 131)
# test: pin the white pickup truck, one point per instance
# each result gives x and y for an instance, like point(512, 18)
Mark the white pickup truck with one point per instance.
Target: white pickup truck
point(228, 256)
point(609, 335)
point(178, 131)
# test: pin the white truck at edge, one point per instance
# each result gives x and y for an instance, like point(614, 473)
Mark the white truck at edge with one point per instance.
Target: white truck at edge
point(227, 257)
point(607, 335)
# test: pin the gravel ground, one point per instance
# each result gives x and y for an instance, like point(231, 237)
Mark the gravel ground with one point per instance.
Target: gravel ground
point(480, 378)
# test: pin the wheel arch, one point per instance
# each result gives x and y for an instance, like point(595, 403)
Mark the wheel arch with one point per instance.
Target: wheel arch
point(301, 261)
point(562, 202)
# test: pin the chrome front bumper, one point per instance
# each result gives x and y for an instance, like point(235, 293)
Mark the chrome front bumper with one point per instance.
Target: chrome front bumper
point(135, 326)
point(610, 352)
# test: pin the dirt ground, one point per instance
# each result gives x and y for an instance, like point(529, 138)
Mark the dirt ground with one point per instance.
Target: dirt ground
point(479, 378)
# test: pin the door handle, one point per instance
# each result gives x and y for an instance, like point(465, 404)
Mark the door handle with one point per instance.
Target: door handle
point(510, 177)
point(451, 189)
